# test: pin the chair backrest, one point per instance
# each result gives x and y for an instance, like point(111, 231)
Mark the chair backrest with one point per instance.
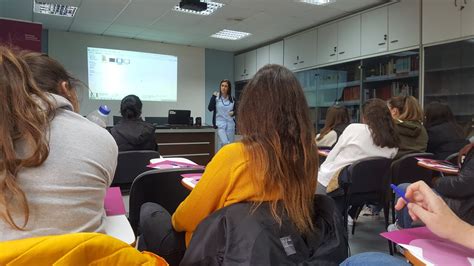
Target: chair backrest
point(132, 163)
point(159, 186)
point(407, 170)
point(369, 175)
point(158, 120)
point(116, 119)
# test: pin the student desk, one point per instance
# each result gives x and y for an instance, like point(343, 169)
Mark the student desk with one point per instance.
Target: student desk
point(193, 143)
point(119, 227)
point(433, 165)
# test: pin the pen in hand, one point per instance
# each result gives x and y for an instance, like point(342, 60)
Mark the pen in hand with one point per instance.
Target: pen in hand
point(399, 192)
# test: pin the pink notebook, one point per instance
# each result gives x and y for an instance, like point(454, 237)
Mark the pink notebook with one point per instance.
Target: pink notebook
point(113, 202)
point(429, 248)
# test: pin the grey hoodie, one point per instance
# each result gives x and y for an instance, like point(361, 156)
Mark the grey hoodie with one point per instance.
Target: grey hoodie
point(66, 193)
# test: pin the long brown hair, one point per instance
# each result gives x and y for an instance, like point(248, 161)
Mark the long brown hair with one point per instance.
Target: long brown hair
point(279, 141)
point(377, 116)
point(25, 115)
point(335, 116)
point(408, 107)
point(49, 74)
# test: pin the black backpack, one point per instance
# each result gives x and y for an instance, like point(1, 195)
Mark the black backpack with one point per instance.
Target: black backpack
point(239, 235)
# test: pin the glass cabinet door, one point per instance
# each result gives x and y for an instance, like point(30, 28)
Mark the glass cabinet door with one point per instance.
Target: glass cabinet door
point(308, 82)
point(391, 75)
point(449, 79)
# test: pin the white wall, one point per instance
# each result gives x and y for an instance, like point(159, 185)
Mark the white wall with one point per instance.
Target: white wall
point(71, 50)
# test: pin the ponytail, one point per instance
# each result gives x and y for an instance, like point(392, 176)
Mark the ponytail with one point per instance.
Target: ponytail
point(408, 106)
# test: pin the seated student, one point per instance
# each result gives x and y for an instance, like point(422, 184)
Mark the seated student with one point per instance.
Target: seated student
point(374, 137)
point(337, 119)
point(407, 115)
point(456, 191)
point(445, 136)
point(430, 209)
point(56, 165)
point(132, 133)
point(276, 161)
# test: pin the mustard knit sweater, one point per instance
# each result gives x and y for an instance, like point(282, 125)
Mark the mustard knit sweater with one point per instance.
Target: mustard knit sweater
point(226, 180)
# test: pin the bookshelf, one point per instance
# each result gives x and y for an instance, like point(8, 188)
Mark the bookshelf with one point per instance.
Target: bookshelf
point(449, 78)
point(391, 75)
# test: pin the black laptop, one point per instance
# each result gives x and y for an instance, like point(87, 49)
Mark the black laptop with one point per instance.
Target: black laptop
point(179, 117)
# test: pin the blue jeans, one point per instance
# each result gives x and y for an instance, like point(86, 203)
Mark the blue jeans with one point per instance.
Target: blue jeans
point(373, 258)
point(403, 217)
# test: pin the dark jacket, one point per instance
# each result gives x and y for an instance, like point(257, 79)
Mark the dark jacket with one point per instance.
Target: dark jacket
point(458, 191)
point(235, 235)
point(413, 137)
point(212, 108)
point(134, 134)
point(444, 139)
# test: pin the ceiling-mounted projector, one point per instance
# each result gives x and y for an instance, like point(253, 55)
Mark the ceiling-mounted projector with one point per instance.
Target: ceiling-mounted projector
point(195, 5)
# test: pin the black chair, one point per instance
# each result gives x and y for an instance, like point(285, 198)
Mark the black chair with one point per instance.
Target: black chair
point(367, 182)
point(129, 165)
point(157, 120)
point(407, 170)
point(159, 186)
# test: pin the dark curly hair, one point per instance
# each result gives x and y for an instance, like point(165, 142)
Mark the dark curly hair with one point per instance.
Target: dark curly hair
point(131, 107)
point(377, 116)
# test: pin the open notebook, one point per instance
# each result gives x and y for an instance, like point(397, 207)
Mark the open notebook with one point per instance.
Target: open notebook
point(431, 249)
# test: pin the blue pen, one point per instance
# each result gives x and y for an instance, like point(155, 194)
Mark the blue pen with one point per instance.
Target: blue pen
point(399, 192)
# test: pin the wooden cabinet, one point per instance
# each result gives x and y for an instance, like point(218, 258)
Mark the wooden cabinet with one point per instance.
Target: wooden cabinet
point(263, 56)
point(441, 20)
point(374, 31)
point(245, 65)
point(403, 24)
point(276, 53)
point(197, 145)
point(327, 44)
point(300, 50)
point(348, 38)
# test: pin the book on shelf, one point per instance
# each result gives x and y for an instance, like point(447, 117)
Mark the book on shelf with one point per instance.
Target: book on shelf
point(393, 67)
point(351, 93)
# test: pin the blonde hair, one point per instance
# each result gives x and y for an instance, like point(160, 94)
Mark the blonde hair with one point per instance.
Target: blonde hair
point(408, 106)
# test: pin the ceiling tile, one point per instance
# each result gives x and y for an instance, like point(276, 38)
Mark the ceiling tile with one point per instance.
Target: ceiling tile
point(97, 13)
point(267, 20)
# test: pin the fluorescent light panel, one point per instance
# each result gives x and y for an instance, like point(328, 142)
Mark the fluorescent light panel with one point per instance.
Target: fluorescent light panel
point(317, 2)
point(211, 8)
point(230, 35)
point(54, 9)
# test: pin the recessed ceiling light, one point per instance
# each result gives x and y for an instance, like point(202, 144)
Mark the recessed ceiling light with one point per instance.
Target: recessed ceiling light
point(211, 8)
point(317, 2)
point(230, 35)
point(54, 9)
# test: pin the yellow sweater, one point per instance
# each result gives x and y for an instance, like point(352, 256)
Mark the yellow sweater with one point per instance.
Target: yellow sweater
point(74, 249)
point(226, 180)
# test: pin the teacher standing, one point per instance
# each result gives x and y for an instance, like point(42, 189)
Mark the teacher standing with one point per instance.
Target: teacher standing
point(223, 105)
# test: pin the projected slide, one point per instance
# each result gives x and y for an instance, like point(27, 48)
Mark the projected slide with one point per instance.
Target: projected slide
point(114, 74)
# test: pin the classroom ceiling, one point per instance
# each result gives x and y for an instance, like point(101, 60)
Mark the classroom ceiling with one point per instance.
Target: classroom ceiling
point(154, 20)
